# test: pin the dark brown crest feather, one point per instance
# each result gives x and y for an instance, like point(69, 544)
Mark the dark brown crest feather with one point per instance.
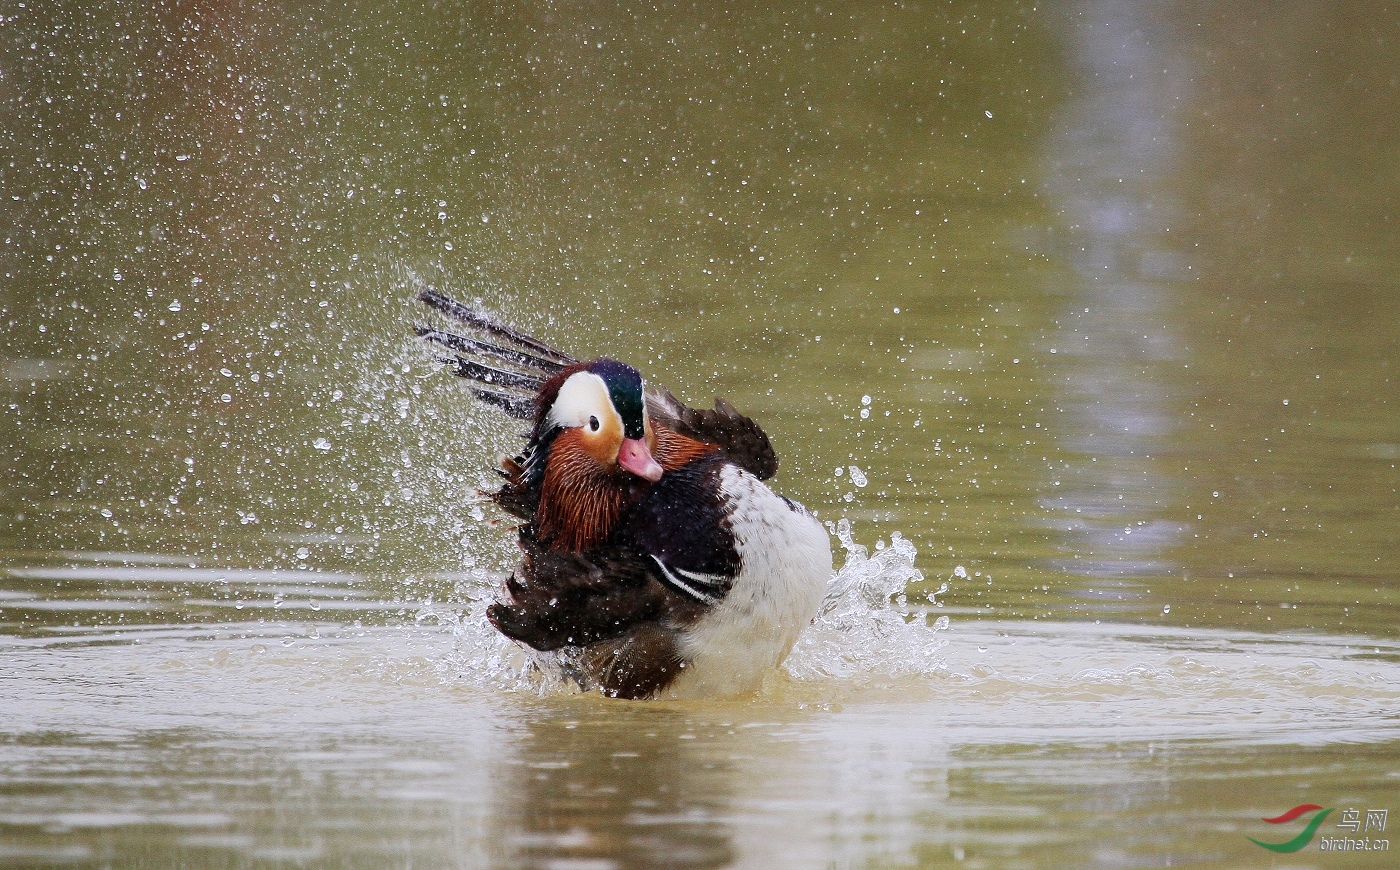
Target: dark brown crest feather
point(467, 345)
point(465, 368)
point(517, 406)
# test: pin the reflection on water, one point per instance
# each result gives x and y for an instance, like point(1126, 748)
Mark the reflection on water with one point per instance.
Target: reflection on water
point(1110, 178)
point(628, 788)
point(259, 742)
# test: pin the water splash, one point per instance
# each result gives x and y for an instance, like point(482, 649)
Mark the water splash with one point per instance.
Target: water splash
point(481, 657)
point(865, 625)
point(420, 445)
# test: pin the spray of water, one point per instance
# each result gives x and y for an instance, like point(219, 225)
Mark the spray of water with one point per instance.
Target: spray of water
point(865, 628)
point(865, 625)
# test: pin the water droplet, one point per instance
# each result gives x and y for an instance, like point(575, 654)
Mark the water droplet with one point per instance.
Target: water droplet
point(321, 444)
point(174, 306)
point(857, 476)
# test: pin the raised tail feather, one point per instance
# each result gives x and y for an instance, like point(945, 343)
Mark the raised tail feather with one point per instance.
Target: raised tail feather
point(478, 359)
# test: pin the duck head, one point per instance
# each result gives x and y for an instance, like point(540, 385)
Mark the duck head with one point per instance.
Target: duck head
point(590, 455)
point(599, 411)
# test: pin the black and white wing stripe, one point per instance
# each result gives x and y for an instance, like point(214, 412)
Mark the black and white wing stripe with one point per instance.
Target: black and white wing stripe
point(682, 525)
point(673, 559)
point(707, 589)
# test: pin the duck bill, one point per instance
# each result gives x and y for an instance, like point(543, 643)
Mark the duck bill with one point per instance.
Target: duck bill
point(634, 456)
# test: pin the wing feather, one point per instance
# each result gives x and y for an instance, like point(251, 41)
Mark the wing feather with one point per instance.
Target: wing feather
point(739, 438)
point(528, 362)
point(557, 599)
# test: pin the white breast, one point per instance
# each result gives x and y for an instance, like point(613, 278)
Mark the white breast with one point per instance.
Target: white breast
point(785, 558)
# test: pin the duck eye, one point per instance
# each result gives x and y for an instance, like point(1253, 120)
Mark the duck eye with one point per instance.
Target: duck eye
point(593, 424)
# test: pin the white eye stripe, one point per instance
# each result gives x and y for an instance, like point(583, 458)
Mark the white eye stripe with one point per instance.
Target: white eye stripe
point(583, 396)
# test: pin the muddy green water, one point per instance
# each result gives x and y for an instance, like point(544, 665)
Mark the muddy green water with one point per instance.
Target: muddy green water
point(1088, 311)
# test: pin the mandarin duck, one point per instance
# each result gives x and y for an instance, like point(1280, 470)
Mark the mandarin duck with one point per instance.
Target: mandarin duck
point(657, 562)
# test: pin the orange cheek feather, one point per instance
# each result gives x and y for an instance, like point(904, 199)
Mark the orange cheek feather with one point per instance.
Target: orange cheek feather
point(601, 445)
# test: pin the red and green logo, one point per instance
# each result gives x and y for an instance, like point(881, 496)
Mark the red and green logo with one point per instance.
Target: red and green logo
point(1304, 837)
